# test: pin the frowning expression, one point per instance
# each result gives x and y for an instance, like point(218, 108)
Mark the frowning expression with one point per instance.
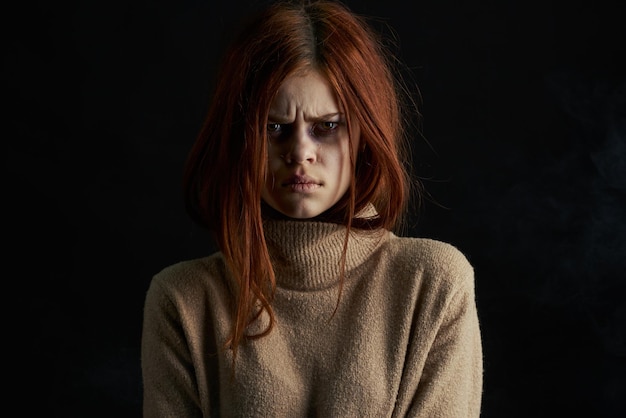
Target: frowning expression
point(309, 151)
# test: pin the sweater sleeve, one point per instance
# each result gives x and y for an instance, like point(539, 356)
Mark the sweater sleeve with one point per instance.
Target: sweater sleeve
point(169, 383)
point(451, 382)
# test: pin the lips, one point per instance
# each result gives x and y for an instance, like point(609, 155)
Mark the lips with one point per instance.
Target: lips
point(301, 183)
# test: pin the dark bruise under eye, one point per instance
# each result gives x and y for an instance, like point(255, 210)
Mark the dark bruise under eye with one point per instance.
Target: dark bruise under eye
point(273, 127)
point(278, 131)
point(325, 128)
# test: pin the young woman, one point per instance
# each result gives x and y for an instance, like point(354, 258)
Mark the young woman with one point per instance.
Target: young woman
point(312, 306)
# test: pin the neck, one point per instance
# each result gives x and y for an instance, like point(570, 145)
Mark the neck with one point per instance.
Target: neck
point(307, 255)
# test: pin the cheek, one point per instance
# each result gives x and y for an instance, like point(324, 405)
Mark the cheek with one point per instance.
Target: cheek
point(273, 161)
point(341, 162)
point(347, 154)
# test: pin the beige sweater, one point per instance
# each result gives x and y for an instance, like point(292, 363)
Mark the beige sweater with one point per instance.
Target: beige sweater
point(405, 341)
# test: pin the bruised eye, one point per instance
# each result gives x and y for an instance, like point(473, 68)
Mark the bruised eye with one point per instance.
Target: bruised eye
point(275, 131)
point(325, 128)
point(278, 131)
point(273, 128)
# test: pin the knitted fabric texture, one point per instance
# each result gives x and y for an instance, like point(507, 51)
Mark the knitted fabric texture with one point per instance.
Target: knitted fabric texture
point(404, 341)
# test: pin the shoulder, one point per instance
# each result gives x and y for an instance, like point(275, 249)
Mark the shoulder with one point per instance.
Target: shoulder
point(436, 262)
point(190, 277)
point(430, 253)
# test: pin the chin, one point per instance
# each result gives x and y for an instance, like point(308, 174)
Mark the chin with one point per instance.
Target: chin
point(301, 215)
point(272, 210)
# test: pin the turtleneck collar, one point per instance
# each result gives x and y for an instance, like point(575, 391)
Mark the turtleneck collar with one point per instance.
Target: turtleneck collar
point(306, 255)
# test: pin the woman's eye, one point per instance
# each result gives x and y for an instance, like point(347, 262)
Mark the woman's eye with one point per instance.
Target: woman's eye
point(273, 127)
point(278, 132)
point(325, 128)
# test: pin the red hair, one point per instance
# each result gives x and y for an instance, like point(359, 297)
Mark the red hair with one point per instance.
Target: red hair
point(226, 168)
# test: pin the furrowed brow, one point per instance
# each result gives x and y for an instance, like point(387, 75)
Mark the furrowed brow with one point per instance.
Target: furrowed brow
point(325, 118)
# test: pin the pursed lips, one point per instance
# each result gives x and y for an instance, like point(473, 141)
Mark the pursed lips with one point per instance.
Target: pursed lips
point(301, 183)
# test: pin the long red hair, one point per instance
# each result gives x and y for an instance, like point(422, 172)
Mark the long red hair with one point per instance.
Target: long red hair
point(226, 168)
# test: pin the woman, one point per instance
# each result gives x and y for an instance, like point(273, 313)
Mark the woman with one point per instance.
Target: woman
point(312, 306)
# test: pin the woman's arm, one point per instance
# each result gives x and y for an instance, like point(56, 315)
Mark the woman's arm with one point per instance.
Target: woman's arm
point(451, 382)
point(169, 382)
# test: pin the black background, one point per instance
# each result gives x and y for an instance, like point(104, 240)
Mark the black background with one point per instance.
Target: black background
point(524, 103)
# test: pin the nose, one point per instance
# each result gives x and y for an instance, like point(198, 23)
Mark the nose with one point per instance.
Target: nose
point(302, 148)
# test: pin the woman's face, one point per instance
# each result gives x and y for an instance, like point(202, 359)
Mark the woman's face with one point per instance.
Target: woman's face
point(309, 154)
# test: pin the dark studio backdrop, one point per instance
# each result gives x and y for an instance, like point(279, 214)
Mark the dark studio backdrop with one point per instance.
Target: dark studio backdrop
point(524, 103)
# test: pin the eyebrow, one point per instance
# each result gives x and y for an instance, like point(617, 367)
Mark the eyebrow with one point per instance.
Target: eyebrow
point(322, 118)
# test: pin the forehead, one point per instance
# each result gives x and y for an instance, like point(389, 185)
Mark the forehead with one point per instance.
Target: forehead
point(308, 94)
